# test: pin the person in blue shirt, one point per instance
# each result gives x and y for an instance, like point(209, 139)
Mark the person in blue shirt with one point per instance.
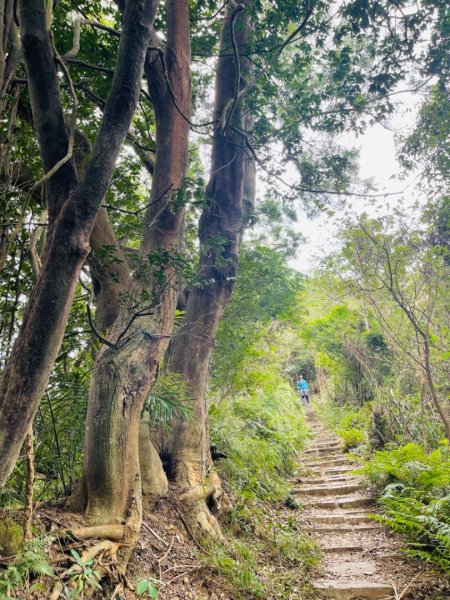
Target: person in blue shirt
point(303, 388)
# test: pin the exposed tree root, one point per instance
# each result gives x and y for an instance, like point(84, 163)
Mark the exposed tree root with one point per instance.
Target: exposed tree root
point(196, 506)
point(111, 548)
point(107, 547)
point(117, 533)
point(56, 591)
point(102, 546)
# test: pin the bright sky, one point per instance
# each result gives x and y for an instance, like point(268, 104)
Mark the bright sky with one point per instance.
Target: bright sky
point(377, 162)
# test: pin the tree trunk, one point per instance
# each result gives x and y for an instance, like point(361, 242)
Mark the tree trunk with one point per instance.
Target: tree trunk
point(111, 281)
point(72, 211)
point(9, 46)
point(220, 232)
point(125, 373)
point(429, 376)
point(154, 479)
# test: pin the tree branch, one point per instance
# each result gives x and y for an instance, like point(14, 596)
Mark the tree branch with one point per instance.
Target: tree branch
point(228, 112)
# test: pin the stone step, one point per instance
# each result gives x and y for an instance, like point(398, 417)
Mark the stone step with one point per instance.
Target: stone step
point(322, 473)
point(324, 447)
point(340, 529)
point(332, 479)
point(355, 502)
point(342, 549)
point(323, 456)
point(349, 568)
point(322, 452)
point(361, 590)
point(339, 518)
point(340, 469)
point(328, 490)
point(318, 442)
point(326, 438)
point(327, 462)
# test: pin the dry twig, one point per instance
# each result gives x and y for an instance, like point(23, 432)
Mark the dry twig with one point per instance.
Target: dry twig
point(162, 560)
point(157, 536)
point(398, 596)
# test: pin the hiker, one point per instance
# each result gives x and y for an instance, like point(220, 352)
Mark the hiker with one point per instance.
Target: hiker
point(303, 388)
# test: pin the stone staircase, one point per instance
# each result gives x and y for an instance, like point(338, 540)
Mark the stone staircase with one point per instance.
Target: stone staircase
point(336, 515)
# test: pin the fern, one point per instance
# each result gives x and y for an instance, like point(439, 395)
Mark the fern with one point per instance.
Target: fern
point(415, 498)
point(169, 400)
point(413, 467)
point(31, 562)
point(425, 524)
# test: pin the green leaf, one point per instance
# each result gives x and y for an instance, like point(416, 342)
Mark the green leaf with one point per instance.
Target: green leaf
point(141, 587)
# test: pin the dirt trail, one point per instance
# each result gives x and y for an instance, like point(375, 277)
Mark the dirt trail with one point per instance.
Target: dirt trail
point(362, 559)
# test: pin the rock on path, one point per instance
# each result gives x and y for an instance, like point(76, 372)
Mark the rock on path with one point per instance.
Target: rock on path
point(362, 560)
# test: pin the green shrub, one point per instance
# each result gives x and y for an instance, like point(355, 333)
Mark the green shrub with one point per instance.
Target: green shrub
point(342, 417)
point(347, 422)
point(426, 523)
point(296, 549)
point(261, 435)
point(31, 561)
point(238, 565)
point(352, 438)
point(261, 431)
point(412, 466)
point(243, 518)
point(415, 498)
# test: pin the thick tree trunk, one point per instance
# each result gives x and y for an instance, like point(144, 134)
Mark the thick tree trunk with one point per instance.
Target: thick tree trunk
point(220, 233)
point(72, 211)
point(110, 281)
point(124, 375)
point(9, 46)
point(154, 479)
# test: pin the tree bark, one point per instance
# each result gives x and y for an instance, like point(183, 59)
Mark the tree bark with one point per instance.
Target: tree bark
point(111, 281)
point(154, 479)
point(430, 380)
point(72, 210)
point(9, 45)
point(124, 374)
point(220, 231)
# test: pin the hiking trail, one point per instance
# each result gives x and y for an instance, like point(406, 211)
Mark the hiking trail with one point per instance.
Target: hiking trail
point(362, 558)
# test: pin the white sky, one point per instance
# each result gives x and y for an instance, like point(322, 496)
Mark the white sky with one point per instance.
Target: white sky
point(378, 162)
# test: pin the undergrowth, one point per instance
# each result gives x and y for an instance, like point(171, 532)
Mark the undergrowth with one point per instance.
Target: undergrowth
point(237, 564)
point(261, 434)
point(30, 562)
point(351, 424)
point(415, 498)
point(268, 556)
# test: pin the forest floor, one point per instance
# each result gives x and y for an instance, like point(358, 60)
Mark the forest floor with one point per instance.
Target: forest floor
point(362, 559)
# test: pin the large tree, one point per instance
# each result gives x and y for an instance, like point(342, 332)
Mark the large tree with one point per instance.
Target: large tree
point(72, 205)
point(126, 368)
